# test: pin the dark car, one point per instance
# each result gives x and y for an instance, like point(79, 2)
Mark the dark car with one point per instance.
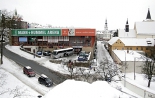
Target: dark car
point(43, 79)
point(83, 53)
point(47, 53)
point(82, 58)
point(39, 52)
point(29, 71)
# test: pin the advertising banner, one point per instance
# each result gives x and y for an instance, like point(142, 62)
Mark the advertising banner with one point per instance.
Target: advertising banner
point(68, 32)
point(36, 32)
point(78, 32)
point(85, 32)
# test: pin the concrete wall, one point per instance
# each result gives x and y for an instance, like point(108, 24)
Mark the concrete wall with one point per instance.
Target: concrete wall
point(130, 66)
point(138, 90)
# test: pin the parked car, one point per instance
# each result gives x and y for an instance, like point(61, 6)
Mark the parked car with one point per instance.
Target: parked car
point(39, 52)
point(83, 53)
point(29, 71)
point(47, 53)
point(43, 79)
point(82, 58)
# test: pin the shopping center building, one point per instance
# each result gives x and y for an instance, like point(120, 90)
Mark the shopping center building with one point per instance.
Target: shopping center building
point(53, 38)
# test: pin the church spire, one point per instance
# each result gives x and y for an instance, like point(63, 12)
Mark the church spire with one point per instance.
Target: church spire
point(127, 21)
point(106, 25)
point(127, 26)
point(148, 14)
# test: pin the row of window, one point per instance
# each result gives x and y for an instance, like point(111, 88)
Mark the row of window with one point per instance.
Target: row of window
point(137, 48)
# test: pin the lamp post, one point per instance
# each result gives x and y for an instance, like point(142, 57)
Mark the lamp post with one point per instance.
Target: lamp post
point(34, 39)
point(125, 71)
point(134, 68)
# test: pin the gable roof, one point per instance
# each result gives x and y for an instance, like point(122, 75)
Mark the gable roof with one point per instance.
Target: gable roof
point(145, 28)
point(113, 40)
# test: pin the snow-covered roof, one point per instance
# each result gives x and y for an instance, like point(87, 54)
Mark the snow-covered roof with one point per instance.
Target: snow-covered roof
point(138, 42)
point(130, 56)
point(122, 33)
point(133, 41)
point(146, 28)
point(113, 40)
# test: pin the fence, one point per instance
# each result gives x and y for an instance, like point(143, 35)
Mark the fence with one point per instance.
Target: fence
point(138, 90)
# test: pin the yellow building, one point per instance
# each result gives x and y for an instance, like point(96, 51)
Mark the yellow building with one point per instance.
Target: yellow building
point(135, 44)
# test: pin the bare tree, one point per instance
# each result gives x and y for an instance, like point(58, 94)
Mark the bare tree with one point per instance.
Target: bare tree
point(149, 70)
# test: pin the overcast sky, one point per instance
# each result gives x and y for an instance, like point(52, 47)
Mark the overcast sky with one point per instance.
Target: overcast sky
point(82, 13)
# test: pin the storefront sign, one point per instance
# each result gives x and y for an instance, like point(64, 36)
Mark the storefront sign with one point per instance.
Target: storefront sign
point(36, 32)
point(85, 32)
point(78, 32)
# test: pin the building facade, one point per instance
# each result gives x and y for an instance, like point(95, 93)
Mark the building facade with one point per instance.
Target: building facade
point(80, 38)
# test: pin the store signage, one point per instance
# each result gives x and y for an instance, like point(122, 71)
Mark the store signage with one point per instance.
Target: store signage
point(78, 32)
point(36, 32)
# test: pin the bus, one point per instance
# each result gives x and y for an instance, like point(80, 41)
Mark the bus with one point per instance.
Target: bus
point(62, 52)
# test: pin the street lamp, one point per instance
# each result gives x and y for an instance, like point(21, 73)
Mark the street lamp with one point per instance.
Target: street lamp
point(34, 40)
point(125, 71)
point(134, 66)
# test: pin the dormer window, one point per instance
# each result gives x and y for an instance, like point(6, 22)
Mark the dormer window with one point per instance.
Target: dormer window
point(149, 42)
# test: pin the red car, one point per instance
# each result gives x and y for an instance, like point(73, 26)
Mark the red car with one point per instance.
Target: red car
point(29, 71)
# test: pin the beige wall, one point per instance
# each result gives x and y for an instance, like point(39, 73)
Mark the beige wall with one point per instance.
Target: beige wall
point(119, 45)
point(145, 36)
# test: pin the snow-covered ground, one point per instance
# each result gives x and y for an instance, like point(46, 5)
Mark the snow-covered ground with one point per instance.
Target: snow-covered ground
point(15, 82)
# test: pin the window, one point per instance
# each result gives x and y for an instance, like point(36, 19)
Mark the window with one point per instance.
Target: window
point(137, 48)
point(141, 48)
point(130, 48)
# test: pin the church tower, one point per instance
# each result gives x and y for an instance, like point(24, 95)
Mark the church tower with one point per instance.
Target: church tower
point(127, 26)
point(106, 26)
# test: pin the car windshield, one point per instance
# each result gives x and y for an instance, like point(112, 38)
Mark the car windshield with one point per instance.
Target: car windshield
point(30, 70)
point(48, 80)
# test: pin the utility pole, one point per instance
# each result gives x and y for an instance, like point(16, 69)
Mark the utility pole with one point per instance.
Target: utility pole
point(3, 27)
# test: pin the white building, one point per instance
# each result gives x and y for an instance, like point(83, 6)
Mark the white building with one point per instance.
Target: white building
point(131, 59)
point(107, 35)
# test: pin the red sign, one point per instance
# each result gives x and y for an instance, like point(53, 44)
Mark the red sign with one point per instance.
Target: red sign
point(64, 32)
point(78, 32)
point(85, 32)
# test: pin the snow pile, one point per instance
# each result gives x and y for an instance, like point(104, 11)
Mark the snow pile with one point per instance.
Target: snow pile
point(78, 89)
